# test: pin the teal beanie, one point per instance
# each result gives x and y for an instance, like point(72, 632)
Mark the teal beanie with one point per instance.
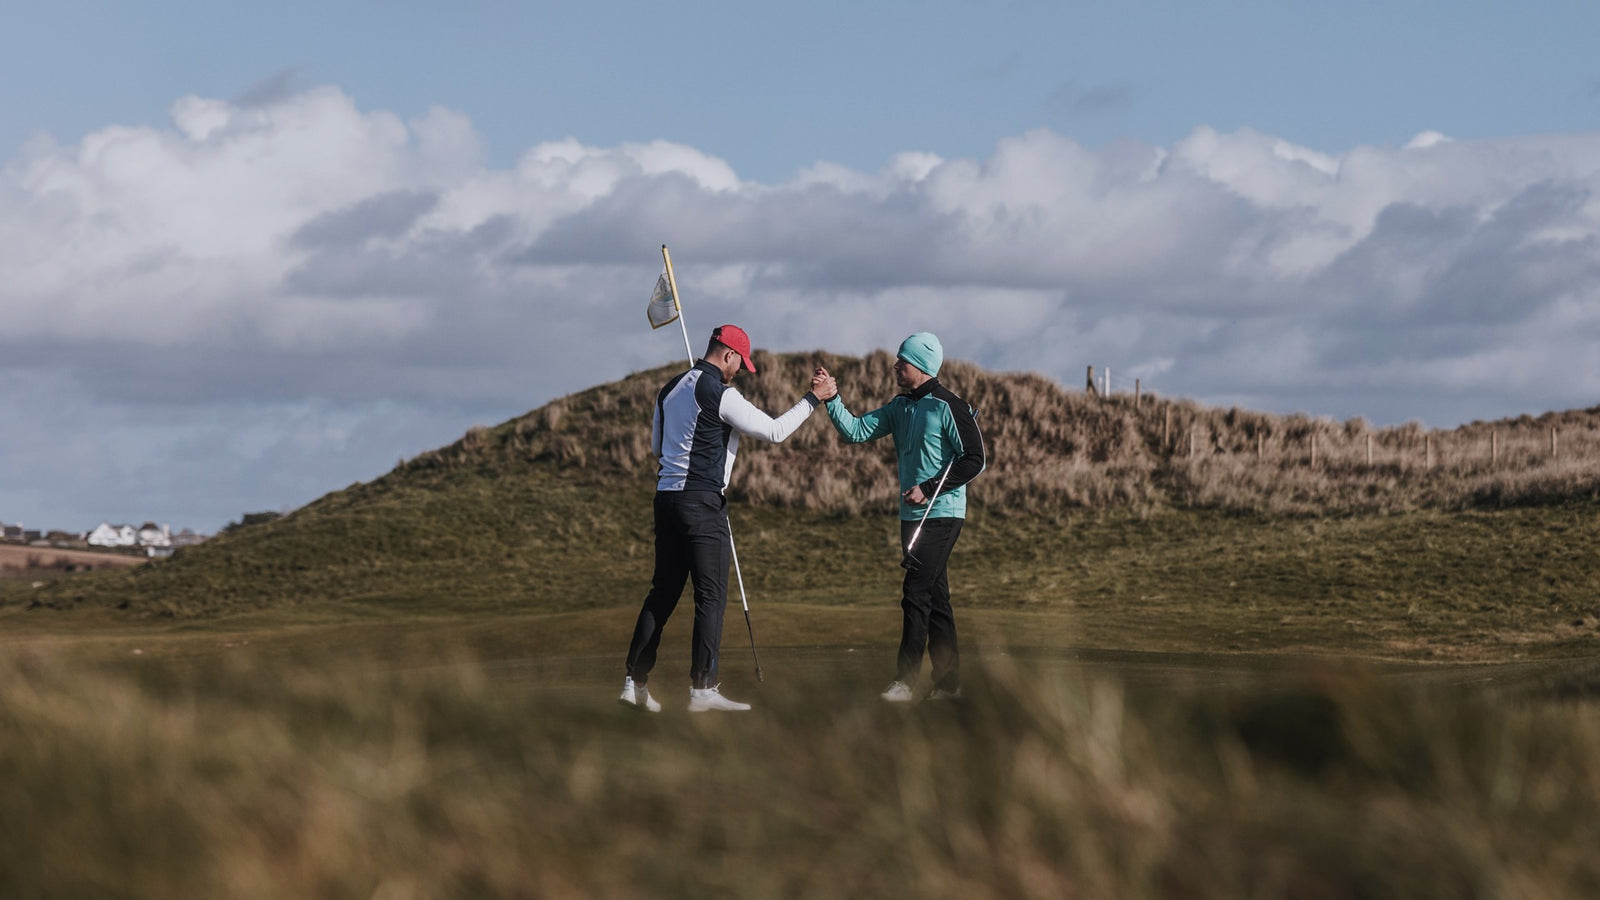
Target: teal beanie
point(923, 351)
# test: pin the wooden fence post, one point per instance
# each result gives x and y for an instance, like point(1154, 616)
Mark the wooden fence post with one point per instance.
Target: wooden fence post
point(1166, 429)
point(1191, 442)
point(1258, 446)
point(1089, 385)
point(1552, 442)
point(1429, 442)
point(1136, 393)
point(1494, 448)
point(1313, 449)
point(1369, 449)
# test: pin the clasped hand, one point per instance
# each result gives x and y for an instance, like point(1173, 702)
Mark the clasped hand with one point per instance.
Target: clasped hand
point(823, 385)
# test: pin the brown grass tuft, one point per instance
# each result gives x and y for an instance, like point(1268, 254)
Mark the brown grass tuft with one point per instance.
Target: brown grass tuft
point(1051, 448)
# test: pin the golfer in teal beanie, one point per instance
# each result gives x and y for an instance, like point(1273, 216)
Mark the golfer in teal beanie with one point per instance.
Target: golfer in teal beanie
point(924, 351)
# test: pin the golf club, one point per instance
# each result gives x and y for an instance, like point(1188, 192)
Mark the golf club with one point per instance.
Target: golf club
point(909, 561)
point(746, 603)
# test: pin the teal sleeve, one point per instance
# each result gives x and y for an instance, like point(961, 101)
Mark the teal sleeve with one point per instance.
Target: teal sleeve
point(854, 429)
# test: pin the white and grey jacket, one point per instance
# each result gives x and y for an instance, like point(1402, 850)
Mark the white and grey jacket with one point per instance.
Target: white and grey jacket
point(696, 427)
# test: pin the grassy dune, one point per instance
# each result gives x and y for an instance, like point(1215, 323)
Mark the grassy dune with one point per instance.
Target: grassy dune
point(1092, 511)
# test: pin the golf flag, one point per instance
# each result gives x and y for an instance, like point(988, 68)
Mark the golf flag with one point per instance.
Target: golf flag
point(663, 308)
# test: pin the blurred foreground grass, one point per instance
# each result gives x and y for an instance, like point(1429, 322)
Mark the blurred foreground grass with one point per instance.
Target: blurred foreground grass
point(299, 774)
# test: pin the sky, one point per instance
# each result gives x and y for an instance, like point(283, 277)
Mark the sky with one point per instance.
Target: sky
point(250, 254)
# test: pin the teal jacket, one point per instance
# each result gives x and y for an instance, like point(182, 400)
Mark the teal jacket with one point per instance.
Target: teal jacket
point(932, 429)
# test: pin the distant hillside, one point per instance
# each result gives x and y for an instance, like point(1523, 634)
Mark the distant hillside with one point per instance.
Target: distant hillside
point(1052, 448)
point(551, 509)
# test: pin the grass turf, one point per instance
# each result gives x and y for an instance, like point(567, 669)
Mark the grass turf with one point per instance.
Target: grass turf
point(1426, 584)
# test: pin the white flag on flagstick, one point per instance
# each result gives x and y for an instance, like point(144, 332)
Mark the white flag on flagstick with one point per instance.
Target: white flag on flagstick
point(663, 306)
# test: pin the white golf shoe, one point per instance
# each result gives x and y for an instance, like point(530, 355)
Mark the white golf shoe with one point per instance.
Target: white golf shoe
point(707, 699)
point(637, 696)
point(898, 692)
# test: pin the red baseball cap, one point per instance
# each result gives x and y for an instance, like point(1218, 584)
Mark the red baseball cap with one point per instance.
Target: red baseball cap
point(734, 338)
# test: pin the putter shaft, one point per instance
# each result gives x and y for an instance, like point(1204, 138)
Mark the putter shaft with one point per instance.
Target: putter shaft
point(909, 561)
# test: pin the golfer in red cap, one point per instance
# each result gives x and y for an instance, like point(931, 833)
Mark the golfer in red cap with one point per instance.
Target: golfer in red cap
point(695, 433)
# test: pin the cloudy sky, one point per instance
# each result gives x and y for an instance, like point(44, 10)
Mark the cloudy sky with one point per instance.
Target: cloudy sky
point(251, 255)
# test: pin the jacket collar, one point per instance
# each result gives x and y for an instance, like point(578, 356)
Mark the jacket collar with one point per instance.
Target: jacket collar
point(922, 390)
point(710, 368)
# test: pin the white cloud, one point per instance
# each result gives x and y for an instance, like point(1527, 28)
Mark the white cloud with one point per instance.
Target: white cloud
point(302, 251)
point(1426, 139)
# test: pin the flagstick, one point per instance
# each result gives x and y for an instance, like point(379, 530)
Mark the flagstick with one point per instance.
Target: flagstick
point(672, 284)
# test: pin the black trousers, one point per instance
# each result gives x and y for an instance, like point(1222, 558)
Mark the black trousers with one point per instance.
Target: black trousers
point(692, 541)
point(928, 623)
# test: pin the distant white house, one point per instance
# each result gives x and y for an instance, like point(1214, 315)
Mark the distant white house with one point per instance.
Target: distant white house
point(153, 535)
point(156, 540)
point(108, 535)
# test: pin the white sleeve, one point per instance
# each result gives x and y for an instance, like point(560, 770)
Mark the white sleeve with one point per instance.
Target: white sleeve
point(743, 415)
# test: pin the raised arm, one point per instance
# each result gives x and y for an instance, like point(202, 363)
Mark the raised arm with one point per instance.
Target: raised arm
point(854, 430)
point(743, 415)
point(858, 429)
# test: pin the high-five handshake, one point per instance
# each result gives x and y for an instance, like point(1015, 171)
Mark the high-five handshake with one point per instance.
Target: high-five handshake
point(823, 385)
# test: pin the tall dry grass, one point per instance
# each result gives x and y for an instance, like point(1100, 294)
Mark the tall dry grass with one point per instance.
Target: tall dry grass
point(1051, 448)
point(332, 779)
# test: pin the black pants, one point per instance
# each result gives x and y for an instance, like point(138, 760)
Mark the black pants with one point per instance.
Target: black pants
point(929, 623)
point(692, 540)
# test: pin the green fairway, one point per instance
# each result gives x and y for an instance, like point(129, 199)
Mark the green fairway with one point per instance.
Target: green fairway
point(1429, 584)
